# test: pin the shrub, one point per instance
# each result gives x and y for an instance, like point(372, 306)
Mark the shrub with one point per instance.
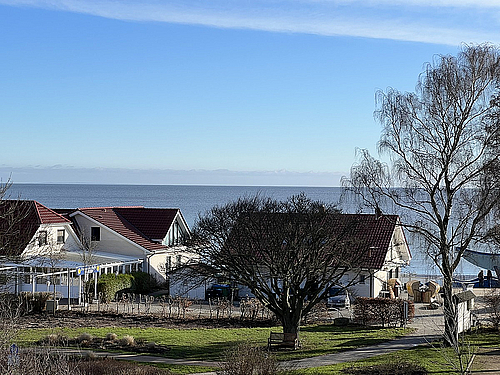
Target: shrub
point(85, 337)
point(381, 311)
point(110, 366)
point(245, 359)
point(394, 368)
point(127, 341)
point(35, 302)
point(110, 284)
point(54, 339)
point(492, 302)
point(143, 283)
point(111, 336)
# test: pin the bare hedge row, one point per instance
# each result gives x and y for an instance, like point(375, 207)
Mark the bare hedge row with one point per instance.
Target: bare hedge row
point(382, 311)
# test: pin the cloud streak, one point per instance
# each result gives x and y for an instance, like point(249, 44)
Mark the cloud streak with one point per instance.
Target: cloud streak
point(448, 22)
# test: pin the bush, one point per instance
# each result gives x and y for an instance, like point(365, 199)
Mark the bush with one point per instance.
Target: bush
point(110, 285)
point(127, 341)
point(111, 336)
point(35, 302)
point(394, 368)
point(143, 283)
point(492, 302)
point(45, 361)
point(245, 359)
point(381, 311)
point(113, 367)
point(85, 338)
point(54, 339)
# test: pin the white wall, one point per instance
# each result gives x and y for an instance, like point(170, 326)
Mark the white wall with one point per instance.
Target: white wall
point(52, 247)
point(110, 241)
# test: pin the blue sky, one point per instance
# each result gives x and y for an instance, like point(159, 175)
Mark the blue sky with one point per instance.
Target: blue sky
point(233, 92)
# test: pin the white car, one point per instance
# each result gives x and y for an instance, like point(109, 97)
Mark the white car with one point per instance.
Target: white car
point(339, 297)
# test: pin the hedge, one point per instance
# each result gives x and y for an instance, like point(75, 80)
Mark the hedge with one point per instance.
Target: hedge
point(137, 282)
point(381, 311)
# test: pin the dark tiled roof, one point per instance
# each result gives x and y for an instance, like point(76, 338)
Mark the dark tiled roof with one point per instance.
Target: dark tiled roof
point(152, 222)
point(117, 219)
point(19, 221)
point(373, 233)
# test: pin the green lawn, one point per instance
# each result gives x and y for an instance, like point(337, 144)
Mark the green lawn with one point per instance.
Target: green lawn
point(209, 344)
point(437, 360)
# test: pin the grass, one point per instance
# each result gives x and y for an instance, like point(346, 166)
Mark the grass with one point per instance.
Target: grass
point(435, 359)
point(210, 344)
point(183, 369)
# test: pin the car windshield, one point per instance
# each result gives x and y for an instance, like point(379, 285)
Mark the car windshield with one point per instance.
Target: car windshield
point(337, 292)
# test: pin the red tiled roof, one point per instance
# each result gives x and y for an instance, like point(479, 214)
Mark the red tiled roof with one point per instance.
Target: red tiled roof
point(374, 233)
point(48, 216)
point(117, 219)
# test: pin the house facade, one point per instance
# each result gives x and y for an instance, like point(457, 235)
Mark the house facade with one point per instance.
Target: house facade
point(385, 250)
point(52, 250)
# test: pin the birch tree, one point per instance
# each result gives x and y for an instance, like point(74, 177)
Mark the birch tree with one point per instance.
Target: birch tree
point(443, 145)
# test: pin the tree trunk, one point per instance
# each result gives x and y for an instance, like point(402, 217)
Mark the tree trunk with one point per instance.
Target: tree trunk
point(450, 313)
point(291, 322)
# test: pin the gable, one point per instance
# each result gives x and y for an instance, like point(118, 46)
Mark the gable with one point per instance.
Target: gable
point(145, 227)
point(20, 221)
point(373, 235)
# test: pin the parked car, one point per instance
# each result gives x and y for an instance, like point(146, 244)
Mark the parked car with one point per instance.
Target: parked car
point(221, 291)
point(339, 297)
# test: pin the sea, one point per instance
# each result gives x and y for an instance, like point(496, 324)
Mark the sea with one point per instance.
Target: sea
point(195, 200)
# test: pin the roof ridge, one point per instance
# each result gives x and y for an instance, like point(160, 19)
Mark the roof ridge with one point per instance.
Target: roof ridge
point(110, 207)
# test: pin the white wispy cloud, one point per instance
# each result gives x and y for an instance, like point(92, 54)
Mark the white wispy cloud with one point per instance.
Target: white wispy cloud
point(429, 21)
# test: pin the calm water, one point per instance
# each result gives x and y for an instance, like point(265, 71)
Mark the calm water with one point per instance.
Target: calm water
point(191, 200)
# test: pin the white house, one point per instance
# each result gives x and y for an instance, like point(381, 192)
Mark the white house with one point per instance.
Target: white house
point(55, 249)
point(382, 241)
point(154, 235)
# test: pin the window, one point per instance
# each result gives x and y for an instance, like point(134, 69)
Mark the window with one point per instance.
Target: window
point(168, 263)
point(179, 260)
point(60, 236)
point(95, 233)
point(177, 234)
point(3, 278)
point(42, 238)
point(362, 279)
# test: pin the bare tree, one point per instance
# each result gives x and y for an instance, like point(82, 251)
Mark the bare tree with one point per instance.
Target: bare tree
point(285, 252)
point(443, 144)
point(16, 227)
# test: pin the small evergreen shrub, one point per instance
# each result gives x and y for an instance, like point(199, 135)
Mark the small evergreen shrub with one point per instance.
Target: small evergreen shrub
point(143, 283)
point(111, 285)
